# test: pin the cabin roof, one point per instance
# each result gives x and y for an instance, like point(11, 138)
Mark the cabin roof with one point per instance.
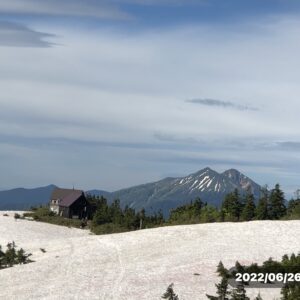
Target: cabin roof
point(59, 193)
point(71, 198)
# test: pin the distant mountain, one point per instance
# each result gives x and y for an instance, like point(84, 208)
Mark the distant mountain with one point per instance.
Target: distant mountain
point(22, 199)
point(99, 193)
point(242, 181)
point(165, 194)
point(168, 193)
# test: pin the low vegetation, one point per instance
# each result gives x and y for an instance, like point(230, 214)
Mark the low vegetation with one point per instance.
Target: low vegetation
point(13, 256)
point(44, 214)
point(112, 218)
point(17, 216)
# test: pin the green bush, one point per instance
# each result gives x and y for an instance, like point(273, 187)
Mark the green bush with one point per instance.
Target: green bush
point(108, 229)
point(44, 214)
point(17, 216)
point(13, 256)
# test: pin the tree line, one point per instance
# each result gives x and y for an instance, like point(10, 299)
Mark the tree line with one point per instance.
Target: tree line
point(236, 207)
point(110, 218)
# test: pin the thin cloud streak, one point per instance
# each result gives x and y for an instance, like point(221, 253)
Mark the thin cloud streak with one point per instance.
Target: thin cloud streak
point(162, 2)
point(17, 35)
point(221, 103)
point(289, 145)
point(77, 8)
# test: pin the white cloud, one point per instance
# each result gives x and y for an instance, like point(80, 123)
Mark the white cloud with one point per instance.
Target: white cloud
point(125, 87)
point(221, 104)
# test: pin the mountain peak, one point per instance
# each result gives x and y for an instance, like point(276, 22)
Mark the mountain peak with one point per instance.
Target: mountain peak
point(203, 171)
point(232, 170)
point(242, 181)
point(232, 173)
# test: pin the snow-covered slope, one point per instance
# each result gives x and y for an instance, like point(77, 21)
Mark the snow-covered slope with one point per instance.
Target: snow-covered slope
point(207, 180)
point(136, 265)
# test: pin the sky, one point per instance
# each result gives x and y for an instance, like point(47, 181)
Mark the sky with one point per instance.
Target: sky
point(111, 94)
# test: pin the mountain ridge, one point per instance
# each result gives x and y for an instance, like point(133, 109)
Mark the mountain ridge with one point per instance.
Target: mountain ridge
point(24, 198)
point(163, 194)
point(168, 193)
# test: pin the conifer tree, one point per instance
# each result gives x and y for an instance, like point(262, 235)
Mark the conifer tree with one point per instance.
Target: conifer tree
point(102, 213)
point(10, 254)
point(222, 215)
point(158, 218)
point(222, 287)
point(131, 220)
point(277, 206)
point(222, 290)
point(239, 268)
point(262, 211)
point(2, 257)
point(285, 259)
point(169, 294)
point(221, 270)
point(293, 210)
point(239, 293)
point(248, 212)
point(116, 212)
point(22, 257)
point(209, 214)
point(232, 206)
point(291, 291)
point(198, 205)
point(142, 217)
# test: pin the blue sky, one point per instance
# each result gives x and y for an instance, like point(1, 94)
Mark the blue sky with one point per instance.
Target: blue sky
point(109, 94)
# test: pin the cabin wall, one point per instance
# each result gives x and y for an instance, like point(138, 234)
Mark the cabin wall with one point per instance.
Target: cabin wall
point(54, 205)
point(64, 212)
point(80, 209)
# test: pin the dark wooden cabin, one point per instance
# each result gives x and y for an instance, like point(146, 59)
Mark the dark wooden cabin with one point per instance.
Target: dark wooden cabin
point(70, 204)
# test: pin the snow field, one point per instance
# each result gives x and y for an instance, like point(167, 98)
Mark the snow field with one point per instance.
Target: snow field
point(137, 265)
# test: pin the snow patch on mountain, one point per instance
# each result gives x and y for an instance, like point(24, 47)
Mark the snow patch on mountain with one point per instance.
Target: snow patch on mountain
point(169, 193)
